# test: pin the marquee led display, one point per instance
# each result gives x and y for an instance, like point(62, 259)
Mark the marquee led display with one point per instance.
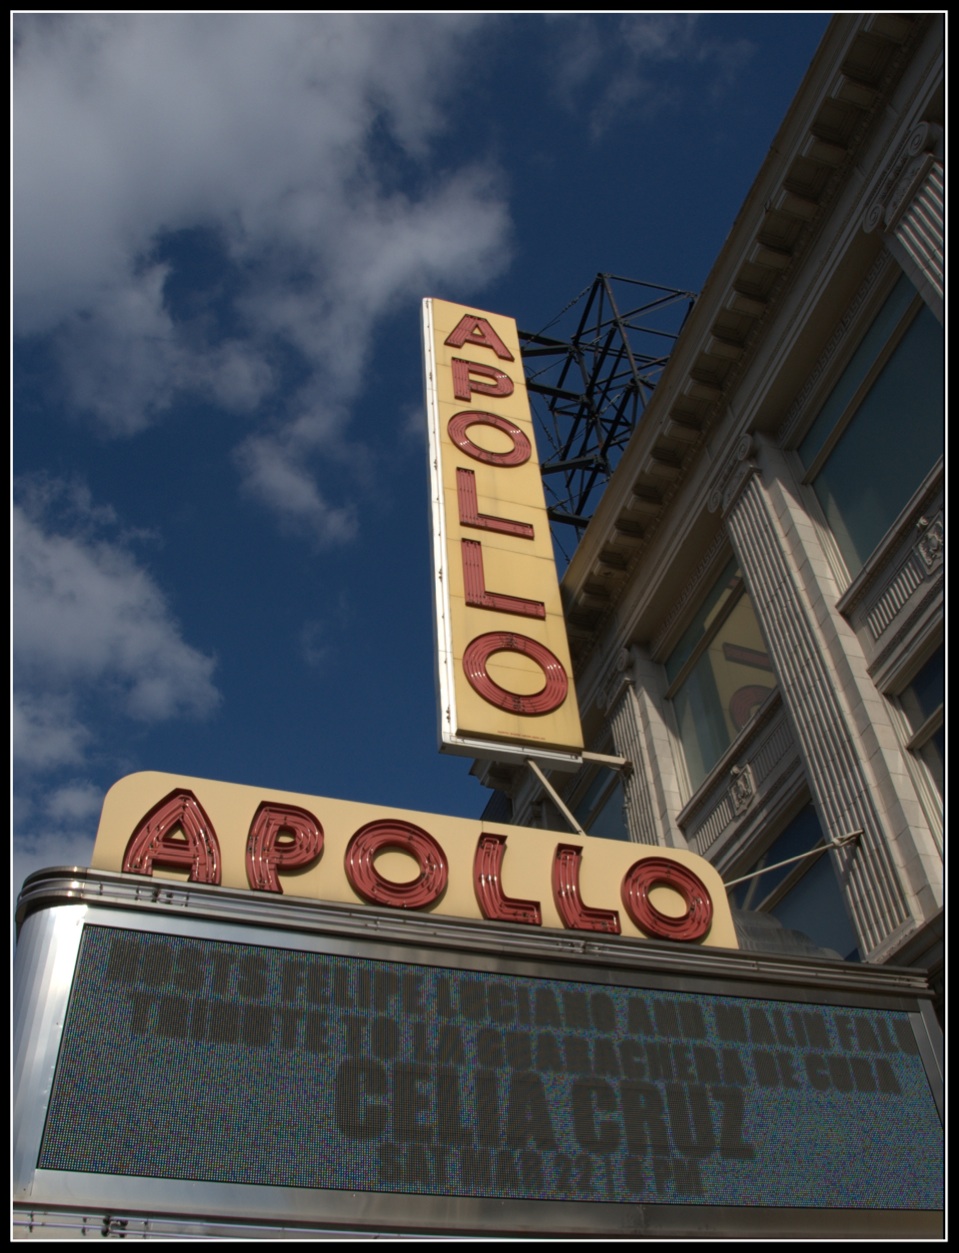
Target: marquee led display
point(238, 1063)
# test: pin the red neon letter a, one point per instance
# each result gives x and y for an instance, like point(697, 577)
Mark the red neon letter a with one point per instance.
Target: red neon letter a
point(477, 331)
point(155, 842)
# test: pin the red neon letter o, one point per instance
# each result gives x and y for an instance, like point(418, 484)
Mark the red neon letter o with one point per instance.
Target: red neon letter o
point(460, 423)
point(377, 837)
point(478, 653)
point(652, 872)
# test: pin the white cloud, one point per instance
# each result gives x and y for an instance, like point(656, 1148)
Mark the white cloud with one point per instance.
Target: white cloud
point(615, 64)
point(315, 648)
point(659, 36)
point(45, 731)
point(91, 629)
point(75, 802)
point(126, 361)
point(287, 136)
point(275, 475)
point(87, 619)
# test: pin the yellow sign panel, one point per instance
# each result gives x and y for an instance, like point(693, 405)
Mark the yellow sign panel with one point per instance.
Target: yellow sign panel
point(174, 827)
point(505, 673)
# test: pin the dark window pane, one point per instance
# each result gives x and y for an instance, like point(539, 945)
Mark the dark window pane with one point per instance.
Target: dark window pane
point(728, 683)
point(889, 447)
point(814, 904)
point(928, 688)
point(873, 342)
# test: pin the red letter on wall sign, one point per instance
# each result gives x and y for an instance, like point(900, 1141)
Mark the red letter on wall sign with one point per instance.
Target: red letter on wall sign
point(478, 653)
point(497, 383)
point(650, 872)
point(470, 515)
point(377, 837)
point(460, 423)
point(493, 902)
point(282, 837)
point(576, 915)
point(474, 584)
point(155, 842)
point(477, 331)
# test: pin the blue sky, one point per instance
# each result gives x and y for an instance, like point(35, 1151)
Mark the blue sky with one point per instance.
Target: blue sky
point(223, 230)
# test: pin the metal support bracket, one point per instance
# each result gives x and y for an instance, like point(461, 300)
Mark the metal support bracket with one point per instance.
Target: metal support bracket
point(556, 798)
point(603, 759)
point(840, 842)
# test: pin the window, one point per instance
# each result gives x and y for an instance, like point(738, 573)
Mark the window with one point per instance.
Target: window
point(601, 810)
point(922, 703)
point(881, 430)
point(804, 896)
point(718, 674)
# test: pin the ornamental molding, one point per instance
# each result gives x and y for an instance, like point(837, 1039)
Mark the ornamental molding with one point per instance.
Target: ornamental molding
point(742, 788)
point(925, 611)
point(618, 681)
point(924, 559)
point(931, 548)
point(903, 177)
point(740, 794)
point(924, 515)
point(733, 475)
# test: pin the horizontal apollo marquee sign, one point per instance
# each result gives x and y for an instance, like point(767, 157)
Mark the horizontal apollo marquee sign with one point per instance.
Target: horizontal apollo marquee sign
point(262, 1076)
point(235, 836)
point(505, 673)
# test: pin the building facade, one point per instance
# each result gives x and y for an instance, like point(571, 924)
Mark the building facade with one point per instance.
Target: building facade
point(755, 610)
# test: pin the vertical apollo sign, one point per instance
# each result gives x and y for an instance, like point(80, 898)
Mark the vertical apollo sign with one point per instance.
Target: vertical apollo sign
point(505, 673)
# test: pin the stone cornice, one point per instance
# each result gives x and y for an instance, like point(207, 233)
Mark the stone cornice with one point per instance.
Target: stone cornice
point(860, 59)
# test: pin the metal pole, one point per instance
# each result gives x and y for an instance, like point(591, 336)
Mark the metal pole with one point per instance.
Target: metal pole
point(839, 842)
point(557, 799)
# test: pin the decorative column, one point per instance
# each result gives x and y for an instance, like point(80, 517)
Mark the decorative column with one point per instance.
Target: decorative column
point(775, 543)
point(909, 209)
point(634, 710)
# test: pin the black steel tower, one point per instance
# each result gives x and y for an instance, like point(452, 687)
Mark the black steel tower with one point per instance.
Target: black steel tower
point(589, 387)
